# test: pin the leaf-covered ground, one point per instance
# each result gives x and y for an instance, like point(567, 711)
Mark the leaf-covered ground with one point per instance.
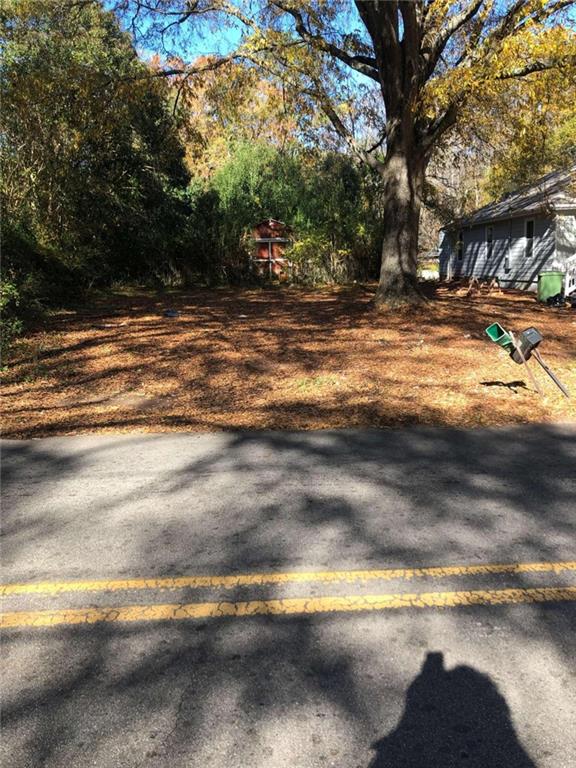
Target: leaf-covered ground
point(283, 359)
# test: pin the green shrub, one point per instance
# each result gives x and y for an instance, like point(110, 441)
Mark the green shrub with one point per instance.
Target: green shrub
point(327, 202)
point(316, 261)
point(11, 325)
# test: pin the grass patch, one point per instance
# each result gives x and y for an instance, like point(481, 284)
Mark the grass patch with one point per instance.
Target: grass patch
point(315, 383)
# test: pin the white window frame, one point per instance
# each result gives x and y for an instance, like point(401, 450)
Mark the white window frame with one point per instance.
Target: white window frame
point(529, 239)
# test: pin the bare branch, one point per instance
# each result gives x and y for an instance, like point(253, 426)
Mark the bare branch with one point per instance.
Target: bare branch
point(363, 64)
point(440, 125)
point(518, 14)
point(328, 108)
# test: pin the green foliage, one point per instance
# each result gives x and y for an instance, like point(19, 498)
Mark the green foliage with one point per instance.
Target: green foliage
point(317, 261)
point(259, 182)
point(33, 278)
point(327, 202)
point(95, 189)
point(339, 223)
point(91, 158)
point(10, 324)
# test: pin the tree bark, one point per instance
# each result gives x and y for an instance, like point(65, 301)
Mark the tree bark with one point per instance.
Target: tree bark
point(403, 177)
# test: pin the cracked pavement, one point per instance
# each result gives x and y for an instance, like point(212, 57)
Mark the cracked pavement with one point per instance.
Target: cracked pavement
point(382, 599)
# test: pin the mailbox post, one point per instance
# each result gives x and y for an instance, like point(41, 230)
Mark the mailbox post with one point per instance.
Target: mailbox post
point(522, 348)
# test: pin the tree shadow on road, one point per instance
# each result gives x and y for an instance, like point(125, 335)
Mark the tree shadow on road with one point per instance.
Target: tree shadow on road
point(452, 718)
point(149, 694)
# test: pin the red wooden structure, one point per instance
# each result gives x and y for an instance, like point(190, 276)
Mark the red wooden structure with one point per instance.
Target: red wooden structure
point(271, 238)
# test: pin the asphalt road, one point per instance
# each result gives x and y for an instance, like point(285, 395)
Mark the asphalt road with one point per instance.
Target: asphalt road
point(132, 565)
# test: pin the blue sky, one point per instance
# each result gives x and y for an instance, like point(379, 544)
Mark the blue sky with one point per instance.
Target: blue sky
point(204, 36)
point(190, 40)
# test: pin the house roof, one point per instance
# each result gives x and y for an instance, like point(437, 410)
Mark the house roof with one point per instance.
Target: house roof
point(553, 193)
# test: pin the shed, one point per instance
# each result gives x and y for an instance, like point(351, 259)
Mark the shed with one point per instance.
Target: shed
point(271, 237)
point(514, 239)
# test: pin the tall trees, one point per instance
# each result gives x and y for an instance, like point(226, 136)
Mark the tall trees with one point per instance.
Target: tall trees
point(223, 109)
point(90, 151)
point(92, 159)
point(424, 60)
point(537, 120)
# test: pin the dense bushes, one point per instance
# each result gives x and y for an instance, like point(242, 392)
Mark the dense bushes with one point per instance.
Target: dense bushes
point(326, 200)
point(93, 177)
point(95, 187)
point(33, 278)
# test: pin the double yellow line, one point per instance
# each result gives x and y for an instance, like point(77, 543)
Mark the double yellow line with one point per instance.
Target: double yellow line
point(287, 606)
point(294, 577)
point(283, 606)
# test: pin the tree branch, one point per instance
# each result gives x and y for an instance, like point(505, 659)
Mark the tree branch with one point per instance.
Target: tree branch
point(536, 66)
point(440, 125)
point(434, 48)
point(363, 64)
point(328, 108)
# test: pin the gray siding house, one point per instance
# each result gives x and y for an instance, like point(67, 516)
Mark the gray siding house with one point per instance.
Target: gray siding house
point(514, 239)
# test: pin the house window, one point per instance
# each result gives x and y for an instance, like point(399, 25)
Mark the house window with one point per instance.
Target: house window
point(489, 242)
point(460, 246)
point(529, 238)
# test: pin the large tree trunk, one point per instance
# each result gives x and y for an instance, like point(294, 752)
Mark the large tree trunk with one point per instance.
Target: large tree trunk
point(403, 177)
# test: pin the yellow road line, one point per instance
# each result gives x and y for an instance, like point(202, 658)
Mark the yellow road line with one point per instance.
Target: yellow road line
point(295, 605)
point(257, 579)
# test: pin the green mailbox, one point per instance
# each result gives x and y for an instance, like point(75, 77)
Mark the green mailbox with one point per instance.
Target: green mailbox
point(522, 349)
point(500, 336)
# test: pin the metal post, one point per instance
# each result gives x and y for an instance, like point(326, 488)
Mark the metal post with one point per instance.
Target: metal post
point(525, 362)
point(560, 386)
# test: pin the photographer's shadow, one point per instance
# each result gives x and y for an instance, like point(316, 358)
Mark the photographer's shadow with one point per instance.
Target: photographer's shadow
point(452, 719)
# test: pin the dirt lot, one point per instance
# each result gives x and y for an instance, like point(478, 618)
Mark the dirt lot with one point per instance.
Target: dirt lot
point(283, 358)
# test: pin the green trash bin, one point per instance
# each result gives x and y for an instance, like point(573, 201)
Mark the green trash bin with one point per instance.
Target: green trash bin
point(500, 336)
point(549, 284)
